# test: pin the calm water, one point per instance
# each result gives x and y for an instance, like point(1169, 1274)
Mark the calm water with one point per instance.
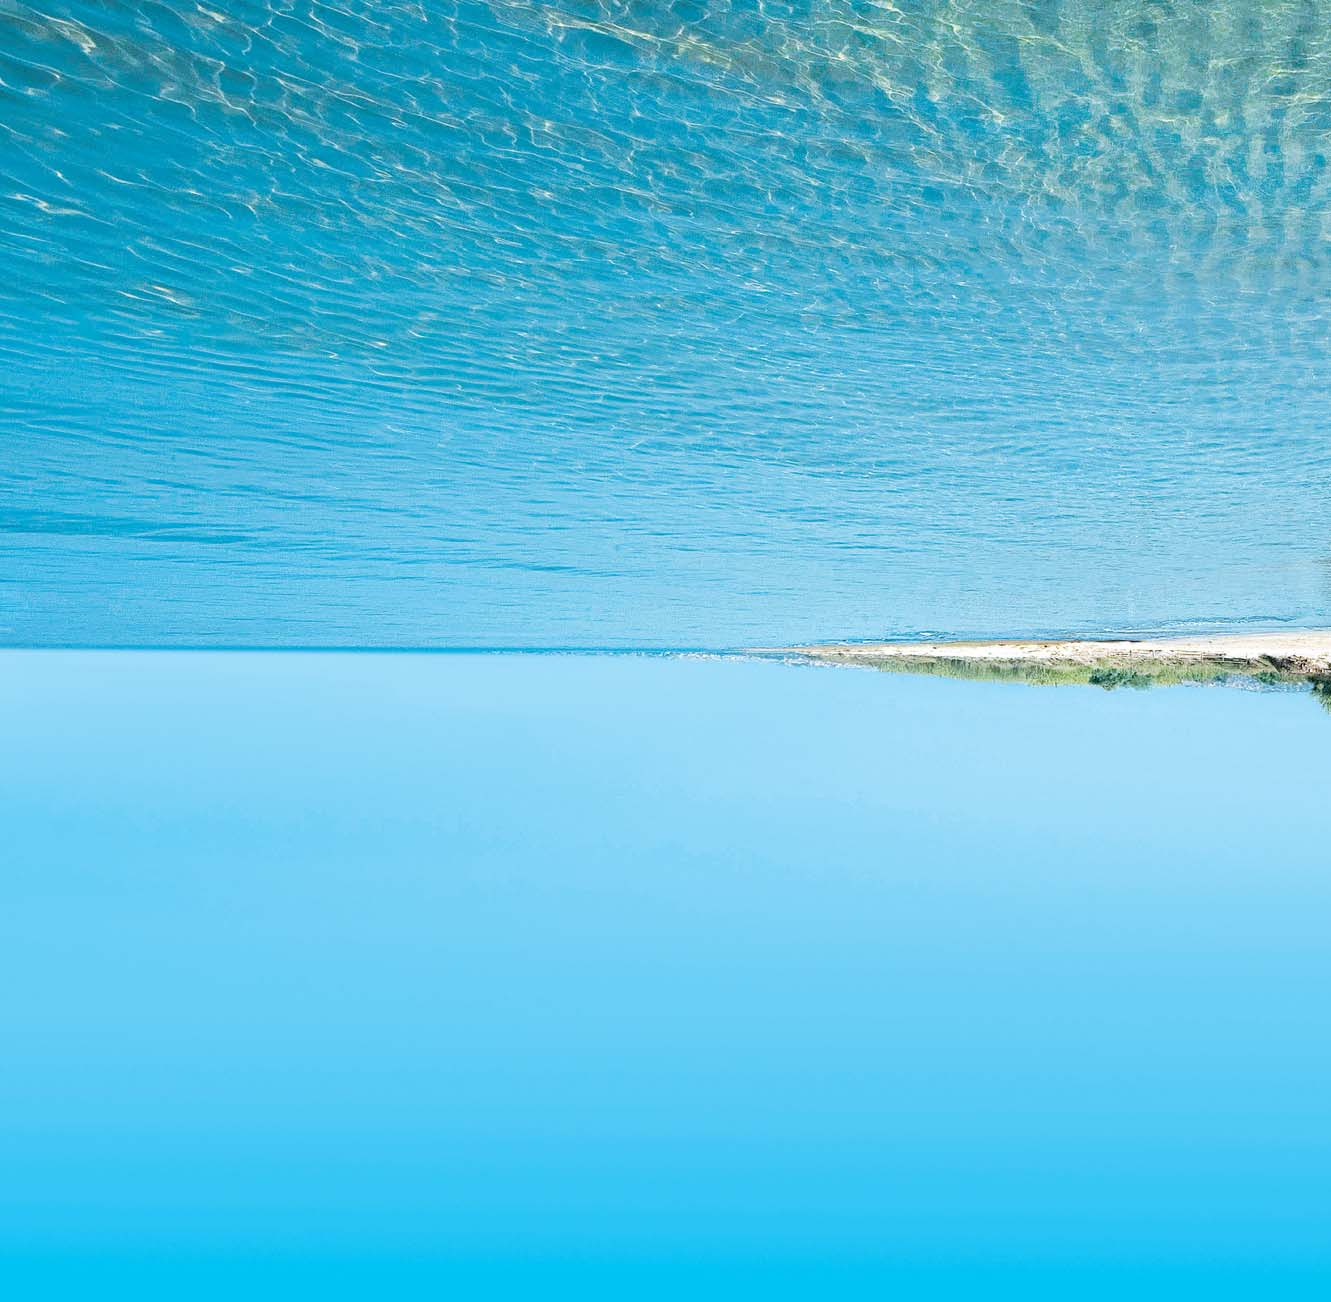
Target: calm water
point(669, 324)
point(634, 977)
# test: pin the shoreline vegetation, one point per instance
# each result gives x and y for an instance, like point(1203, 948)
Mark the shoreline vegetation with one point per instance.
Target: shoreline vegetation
point(1262, 659)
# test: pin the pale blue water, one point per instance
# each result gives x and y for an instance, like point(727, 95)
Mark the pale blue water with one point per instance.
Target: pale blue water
point(689, 324)
point(347, 975)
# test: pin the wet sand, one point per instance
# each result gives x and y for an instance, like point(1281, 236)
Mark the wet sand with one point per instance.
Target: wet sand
point(1304, 654)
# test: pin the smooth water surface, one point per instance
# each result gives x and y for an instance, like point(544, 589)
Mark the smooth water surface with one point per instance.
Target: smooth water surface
point(709, 324)
point(349, 975)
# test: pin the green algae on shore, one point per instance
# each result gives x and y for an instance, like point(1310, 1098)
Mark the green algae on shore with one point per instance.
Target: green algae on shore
point(1301, 659)
point(1056, 674)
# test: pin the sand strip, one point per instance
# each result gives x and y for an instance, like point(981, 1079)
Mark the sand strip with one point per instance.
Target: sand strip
point(1289, 656)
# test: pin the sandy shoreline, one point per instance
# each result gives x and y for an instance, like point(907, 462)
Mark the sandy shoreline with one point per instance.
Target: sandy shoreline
point(1305, 654)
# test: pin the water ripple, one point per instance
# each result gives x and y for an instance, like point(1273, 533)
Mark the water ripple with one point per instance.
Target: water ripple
point(639, 324)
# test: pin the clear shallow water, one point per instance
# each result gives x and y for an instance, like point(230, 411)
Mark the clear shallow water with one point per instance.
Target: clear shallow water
point(633, 976)
point(669, 324)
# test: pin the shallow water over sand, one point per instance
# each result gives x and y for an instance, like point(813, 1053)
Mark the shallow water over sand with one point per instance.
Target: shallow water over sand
point(665, 325)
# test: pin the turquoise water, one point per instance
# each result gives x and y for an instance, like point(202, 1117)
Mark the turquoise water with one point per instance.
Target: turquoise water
point(657, 325)
point(689, 324)
point(489, 976)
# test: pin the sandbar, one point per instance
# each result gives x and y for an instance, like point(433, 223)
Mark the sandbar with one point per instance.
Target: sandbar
point(1292, 656)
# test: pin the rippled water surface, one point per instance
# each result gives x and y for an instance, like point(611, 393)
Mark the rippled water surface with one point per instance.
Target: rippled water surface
point(660, 324)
